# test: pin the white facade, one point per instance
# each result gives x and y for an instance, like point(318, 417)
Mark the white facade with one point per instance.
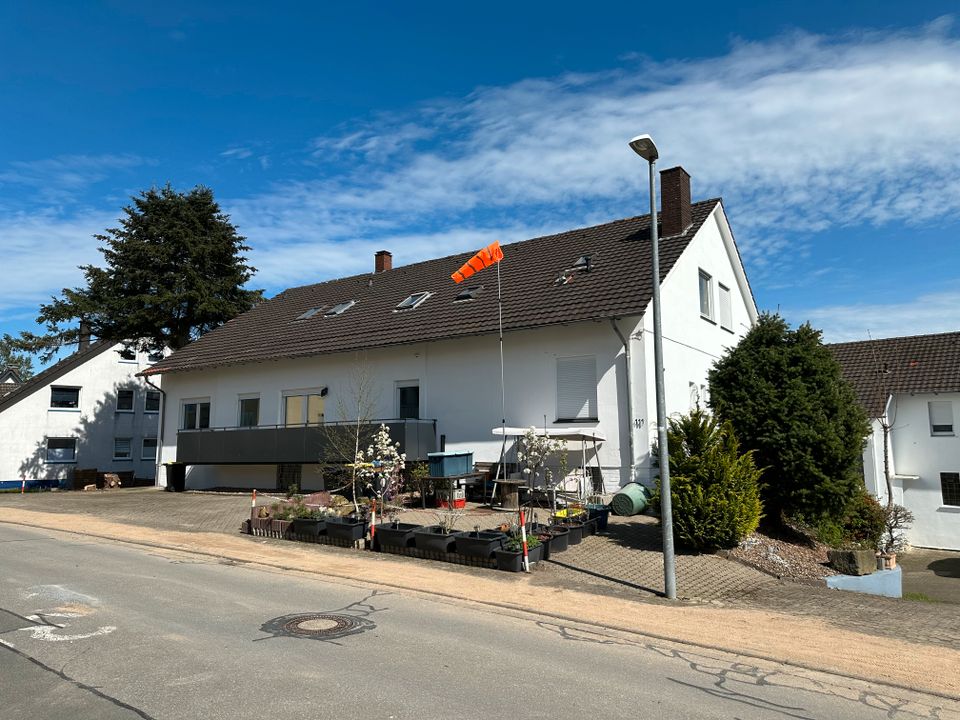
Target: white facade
point(79, 419)
point(459, 380)
point(920, 457)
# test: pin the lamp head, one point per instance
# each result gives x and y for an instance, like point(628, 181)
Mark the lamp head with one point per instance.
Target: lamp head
point(644, 146)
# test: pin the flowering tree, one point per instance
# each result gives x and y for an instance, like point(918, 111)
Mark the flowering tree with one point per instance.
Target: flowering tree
point(533, 452)
point(381, 466)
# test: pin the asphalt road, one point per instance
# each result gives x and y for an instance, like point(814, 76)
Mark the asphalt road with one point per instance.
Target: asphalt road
point(90, 629)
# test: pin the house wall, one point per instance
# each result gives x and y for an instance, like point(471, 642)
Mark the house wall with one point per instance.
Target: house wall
point(459, 387)
point(691, 343)
point(26, 425)
point(918, 459)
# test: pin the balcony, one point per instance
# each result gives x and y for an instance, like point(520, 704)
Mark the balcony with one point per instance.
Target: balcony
point(274, 444)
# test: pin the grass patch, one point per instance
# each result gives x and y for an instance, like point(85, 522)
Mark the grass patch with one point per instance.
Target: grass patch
point(919, 597)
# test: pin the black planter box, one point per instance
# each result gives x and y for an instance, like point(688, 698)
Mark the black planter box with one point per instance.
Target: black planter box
point(561, 538)
point(309, 527)
point(576, 533)
point(600, 513)
point(482, 544)
point(429, 538)
point(395, 535)
point(348, 529)
point(512, 560)
point(590, 527)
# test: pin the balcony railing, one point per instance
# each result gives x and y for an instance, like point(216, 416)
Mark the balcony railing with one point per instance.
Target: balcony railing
point(273, 444)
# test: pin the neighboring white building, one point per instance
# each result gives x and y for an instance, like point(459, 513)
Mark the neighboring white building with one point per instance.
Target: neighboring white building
point(912, 384)
point(247, 401)
point(89, 410)
point(9, 380)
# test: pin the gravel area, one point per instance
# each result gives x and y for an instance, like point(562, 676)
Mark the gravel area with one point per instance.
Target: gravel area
point(784, 559)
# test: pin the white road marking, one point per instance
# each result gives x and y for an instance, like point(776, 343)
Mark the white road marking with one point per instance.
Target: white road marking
point(8, 644)
point(45, 632)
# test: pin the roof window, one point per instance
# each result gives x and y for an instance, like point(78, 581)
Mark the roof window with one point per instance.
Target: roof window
point(469, 293)
point(340, 309)
point(412, 301)
point(311, 312)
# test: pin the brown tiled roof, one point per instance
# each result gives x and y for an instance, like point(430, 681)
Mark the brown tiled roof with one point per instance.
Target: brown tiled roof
point(618, 285)
point(916, 364)
point(53, 372)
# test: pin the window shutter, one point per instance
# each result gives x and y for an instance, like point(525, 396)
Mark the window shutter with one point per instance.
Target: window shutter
point(726, 311)
point(577, 388)
point(941, 416)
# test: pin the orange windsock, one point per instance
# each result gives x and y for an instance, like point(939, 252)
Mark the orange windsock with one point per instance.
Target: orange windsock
point(486, 257)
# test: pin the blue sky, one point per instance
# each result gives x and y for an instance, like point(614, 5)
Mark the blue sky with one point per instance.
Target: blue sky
point(830, 129)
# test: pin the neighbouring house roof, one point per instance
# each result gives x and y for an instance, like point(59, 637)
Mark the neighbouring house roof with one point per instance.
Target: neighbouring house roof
point(53, 372)
point(618, 285)
point(915, 364)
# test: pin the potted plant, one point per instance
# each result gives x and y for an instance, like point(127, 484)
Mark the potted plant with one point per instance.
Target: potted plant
point(479, 543)
point(395, 534)
point(571, 519)
point(440, 537)
point(600, 513)
point(896, 520)
point(281, 515)
point(309, 523)
point(510, 556)
point(559, 538)
point(349, 528)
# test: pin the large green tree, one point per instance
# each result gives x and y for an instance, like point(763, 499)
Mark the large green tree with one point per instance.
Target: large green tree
point(174, 270)
point(784, 394)
point(10, 358)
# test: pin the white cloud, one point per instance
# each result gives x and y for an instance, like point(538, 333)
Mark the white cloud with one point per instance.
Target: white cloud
point(57, 176)
point(930, 313)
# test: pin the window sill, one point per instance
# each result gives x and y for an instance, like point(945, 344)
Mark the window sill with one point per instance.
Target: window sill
point(151, 412)
point(578, 421)
point(116, 459)
point(124, 412)
point(729, 330)
point(708, 319)
point(943, 434)
point(949, 508)
point(68, 410)
point(59, 462)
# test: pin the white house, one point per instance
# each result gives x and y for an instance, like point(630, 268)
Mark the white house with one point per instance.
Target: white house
point(248, 403)
point(89, 410)
point(9, 380)
point(912, 385)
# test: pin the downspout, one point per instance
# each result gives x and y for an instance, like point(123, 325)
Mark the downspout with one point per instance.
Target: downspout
point(163, 413)
point(627, 376)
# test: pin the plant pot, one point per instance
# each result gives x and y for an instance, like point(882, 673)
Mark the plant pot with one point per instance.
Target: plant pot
point(479, 544)
point(309, 527)
point(589, 527)
point(512, 560)
point(348, 529)
point(431, 538)
point(600, 513)
point(546, 542)
point(886, 561)
point(561, 539)
point(394, 535)
point(576, 532)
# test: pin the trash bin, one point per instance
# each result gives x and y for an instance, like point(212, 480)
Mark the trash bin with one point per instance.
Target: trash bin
point(176, 477)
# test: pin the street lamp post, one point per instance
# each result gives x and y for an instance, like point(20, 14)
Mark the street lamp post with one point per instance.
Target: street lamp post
point(644, 146)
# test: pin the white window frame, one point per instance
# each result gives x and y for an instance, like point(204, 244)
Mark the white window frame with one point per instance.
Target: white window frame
point(304, 393)
point(147, 397)
point(130, 361)
point(133, 400)
point(413, 300)
point(46, 455)
point(143, 449)
point(939, 410)
point(704, 275)
point(725, 306)
point(129, 456)
point(198, 402)
point(591, 414)
point(240, 399)
point(340, 308)
point(65, 387)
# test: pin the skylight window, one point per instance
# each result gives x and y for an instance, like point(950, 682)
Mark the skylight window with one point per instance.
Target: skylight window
point(412, 301)
point(340, 309)
point(469, 293)
point(311, 312)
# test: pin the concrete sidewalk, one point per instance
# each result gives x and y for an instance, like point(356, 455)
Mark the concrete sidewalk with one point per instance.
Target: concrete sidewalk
point(626, 563)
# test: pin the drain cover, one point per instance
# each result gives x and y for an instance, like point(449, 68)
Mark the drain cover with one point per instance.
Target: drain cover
point(321, 626)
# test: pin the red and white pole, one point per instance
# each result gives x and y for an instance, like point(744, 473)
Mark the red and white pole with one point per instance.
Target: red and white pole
point(23, 484)
point(253, 502)
point(523, 537)
point(373, 520)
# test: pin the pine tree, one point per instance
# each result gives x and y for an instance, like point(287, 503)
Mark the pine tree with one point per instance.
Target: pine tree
point(784, 394)
point(174, 270)
point(10, 358)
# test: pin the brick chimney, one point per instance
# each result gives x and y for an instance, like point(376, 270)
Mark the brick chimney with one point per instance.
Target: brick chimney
point(675, 214)
point(84, 341)
point(383, 261)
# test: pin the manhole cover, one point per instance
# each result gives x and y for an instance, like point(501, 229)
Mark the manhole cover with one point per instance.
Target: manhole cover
point(322, 626)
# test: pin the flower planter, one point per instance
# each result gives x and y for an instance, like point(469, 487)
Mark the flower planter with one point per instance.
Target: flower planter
point(395, 535)
point(261, 526)
point(576, 532)
point(546, 543)
point(345, 528)
point(280, 528)
point(589, 527)
point(600, 513)
point(431, 538)
point(512, 560)
point(479, 544)
point(309, 527)
point(561, 539)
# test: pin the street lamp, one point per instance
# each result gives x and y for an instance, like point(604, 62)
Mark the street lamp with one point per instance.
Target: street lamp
point(644, 146)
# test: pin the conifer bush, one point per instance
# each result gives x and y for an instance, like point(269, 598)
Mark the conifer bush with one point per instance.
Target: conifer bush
point(715, 489)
